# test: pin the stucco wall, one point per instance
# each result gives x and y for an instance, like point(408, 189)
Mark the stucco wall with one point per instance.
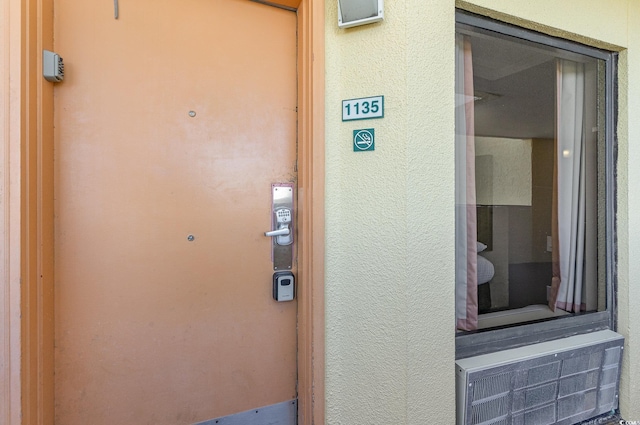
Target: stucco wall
point(629, 216)
point(389, 213)
point(503, 171)
point(383, 293)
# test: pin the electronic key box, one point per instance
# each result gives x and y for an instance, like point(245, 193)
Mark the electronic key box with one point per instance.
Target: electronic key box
point(284, 286)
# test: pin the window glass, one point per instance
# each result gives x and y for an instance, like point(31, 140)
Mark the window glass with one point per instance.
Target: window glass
point(530, 181)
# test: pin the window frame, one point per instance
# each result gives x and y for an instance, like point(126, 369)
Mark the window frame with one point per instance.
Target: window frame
point(474, 343)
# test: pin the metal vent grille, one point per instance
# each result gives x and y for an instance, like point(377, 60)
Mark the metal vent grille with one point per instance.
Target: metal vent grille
point(491, 386)
point(558, 382)
point(486, 411)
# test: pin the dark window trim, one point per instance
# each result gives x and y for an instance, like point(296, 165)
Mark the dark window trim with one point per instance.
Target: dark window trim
point(491, 340)
point(487, 341)
point(611, 164)
point(529, 35)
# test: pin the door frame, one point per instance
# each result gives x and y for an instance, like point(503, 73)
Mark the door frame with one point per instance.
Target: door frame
point(26, 213)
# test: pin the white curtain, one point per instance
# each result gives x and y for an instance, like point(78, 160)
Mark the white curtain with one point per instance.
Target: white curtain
point(466, 228)
point(569, 198)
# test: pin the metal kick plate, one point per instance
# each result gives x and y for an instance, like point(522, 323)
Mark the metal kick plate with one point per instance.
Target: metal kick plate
point(282, 195)
point(284, 413)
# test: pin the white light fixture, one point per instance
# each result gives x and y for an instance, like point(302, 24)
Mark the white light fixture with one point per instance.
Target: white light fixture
point(352, 13)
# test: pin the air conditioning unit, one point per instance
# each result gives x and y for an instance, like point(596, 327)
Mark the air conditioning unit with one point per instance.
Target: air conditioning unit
point(556, 382)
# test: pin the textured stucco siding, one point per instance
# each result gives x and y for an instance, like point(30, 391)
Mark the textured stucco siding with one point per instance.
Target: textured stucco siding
point(389, 213)
point(381, 287)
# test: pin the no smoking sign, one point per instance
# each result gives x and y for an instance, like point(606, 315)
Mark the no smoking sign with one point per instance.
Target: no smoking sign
point(363, 140)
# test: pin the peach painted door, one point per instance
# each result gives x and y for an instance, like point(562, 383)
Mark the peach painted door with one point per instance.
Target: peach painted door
point(171, 125)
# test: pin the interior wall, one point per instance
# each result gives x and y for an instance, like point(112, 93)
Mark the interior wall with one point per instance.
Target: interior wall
point(506, 178)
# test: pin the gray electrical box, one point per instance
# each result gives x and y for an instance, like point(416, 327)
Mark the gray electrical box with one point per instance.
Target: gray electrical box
point(52, 66)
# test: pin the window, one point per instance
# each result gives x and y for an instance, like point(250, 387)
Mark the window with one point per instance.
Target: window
point(534, 186)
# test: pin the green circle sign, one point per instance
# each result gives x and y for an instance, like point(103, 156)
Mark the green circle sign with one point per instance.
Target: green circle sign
point(363, 140)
